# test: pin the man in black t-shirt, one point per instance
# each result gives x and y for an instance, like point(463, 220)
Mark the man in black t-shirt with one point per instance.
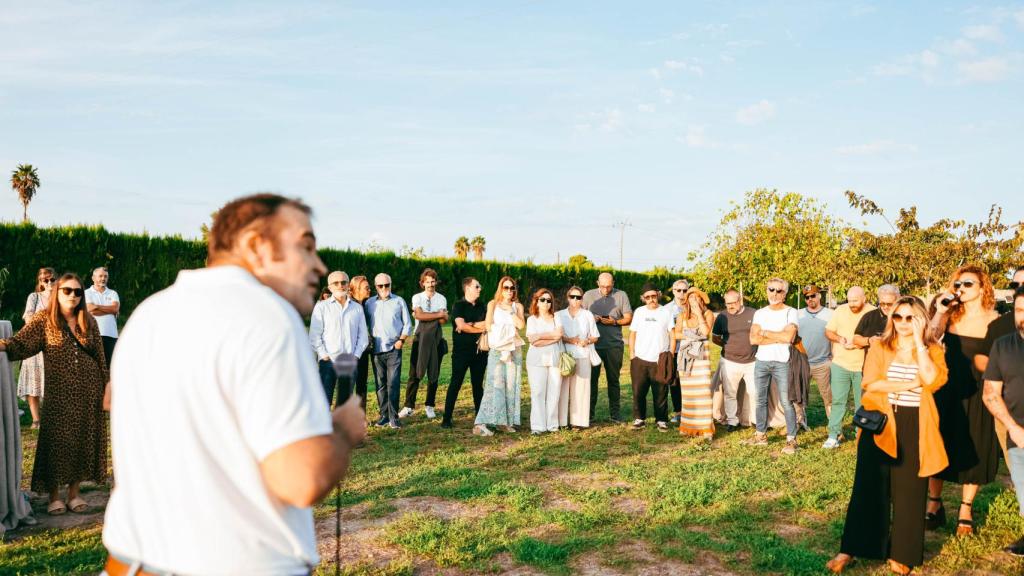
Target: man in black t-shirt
point(469, 314)
point(998, 328)
point(871, 326)
point(1004, 396)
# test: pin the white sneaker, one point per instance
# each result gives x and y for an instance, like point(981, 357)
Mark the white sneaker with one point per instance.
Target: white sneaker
point(830, 444)
point(405, 412)
point(481, 430)
point(430, 412)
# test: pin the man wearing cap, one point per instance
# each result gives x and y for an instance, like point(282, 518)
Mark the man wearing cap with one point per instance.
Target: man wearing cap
point(650, 334)
point(847, 360)
point(811, 328)
point(679, 288)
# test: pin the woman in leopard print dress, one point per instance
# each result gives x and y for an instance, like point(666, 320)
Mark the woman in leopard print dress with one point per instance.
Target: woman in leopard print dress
point(72, 443)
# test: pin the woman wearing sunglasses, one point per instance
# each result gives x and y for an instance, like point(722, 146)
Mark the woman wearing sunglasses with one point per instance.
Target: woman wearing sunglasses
point(31, 380)
point(500, 405)
point(579, 329)
point(73, 432)
point(901, 375)
point(544, 332)
point(962, 315)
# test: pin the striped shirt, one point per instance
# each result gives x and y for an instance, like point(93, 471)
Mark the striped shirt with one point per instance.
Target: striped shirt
point(903, 373)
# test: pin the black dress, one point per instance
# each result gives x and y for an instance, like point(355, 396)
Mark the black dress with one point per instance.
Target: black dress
point(966, 425)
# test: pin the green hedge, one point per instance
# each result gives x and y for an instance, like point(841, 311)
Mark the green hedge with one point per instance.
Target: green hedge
point(141, 265)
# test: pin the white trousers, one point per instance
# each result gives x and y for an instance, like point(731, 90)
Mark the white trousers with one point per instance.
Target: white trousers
point(545, 387)
point(735, 404)
point(574, 400)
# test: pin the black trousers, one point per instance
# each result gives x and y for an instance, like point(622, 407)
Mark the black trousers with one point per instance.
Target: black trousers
point(476, 364)
point(108, 348)
point(362, 377)
point(676, 392)
point(882, 484)
point(611, 359)
point(412, 385)
point(643, 374)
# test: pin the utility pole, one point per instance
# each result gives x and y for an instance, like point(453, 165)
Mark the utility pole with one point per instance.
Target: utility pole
point(621, 225)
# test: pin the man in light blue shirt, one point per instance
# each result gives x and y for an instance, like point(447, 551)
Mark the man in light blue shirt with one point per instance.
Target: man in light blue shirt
point(811, 328)
point(337, 326)
point(390, 325)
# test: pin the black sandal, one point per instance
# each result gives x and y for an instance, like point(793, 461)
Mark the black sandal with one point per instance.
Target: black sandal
point(964, 527)
point(937, 519)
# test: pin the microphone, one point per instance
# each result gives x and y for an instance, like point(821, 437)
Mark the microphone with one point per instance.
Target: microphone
point(345, 368)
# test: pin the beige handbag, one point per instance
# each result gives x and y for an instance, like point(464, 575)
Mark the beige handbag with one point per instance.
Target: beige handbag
point(481, 344)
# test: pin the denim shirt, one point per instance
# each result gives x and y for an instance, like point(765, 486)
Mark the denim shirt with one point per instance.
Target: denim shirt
point(389, 321)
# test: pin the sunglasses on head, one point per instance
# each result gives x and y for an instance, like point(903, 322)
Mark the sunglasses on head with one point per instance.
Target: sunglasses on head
point(383, 285)
point(69, 291)
point(965, 284)
point(544, 300)
point(575, 297)
point(776, 290)
point(901, 318)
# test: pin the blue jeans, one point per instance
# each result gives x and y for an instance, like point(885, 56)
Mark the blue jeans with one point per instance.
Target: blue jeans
point(1016, 466)
point(764, 372)
point(388, 367)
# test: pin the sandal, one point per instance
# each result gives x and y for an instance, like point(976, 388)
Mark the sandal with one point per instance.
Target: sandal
point(56, 508)
point(965, 527)
point(78, 505)
point(898, 568)
point(839, 563)
point(35, 425)
point(937, 519)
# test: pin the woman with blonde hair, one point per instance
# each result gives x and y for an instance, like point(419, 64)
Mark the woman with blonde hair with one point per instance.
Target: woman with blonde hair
point(31, 379)
point(693, 362)
point(901, 376)
point(72, 443)
point(962, 315)
point(500, 405)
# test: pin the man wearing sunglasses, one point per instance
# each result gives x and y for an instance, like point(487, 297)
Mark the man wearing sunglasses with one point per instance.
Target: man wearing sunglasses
point(847, 360)
point(104, 304)
point(773, 331)
point(1004, 397)
point(872, 325)
point(612, 311)
point(813, 319)
point(337, 326)
point(390, 325)
point(674, 308)
point(650, 335)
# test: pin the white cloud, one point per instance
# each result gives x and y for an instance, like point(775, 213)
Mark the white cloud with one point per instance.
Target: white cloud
point(612, 120)
point(655, 73)
point(959, 47)
point(987, 33)
point(875, 148)
point(692, 68)
point(695, 138)
point(988, 70)
point(923, 64)
point(648, 108)
point(667, 96)
point(929, 59)
point(756, 113)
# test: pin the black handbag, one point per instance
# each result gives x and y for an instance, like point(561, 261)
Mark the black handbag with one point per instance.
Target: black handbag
point(871, 421)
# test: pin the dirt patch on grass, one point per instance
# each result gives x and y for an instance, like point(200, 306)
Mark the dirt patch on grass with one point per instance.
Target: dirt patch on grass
point(96, 498)
point(631, 506)
point(638, 558)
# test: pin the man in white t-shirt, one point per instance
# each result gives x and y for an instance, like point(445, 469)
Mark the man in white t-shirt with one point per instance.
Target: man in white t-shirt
point(650, 334)
point(104, 304)
point(773, 331)
point(430, 311)
point(222, 440)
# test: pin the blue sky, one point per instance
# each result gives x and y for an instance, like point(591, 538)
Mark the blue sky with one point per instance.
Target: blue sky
point(538, 125)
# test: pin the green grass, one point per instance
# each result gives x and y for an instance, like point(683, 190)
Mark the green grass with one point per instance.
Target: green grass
point(550, 502)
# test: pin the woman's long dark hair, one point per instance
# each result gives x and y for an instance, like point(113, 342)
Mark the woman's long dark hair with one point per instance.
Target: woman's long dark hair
point(54, 316)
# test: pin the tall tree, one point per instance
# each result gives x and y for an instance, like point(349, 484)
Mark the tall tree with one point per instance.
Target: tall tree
point(579, 261)
point(461, 247)
point(25, 181)
point(478, 244)
point(770, 234)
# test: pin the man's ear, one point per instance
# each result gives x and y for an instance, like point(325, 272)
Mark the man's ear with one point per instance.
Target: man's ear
point(251, 247)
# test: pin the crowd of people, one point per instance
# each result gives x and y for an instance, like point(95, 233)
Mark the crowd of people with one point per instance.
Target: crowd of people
point(937, 388)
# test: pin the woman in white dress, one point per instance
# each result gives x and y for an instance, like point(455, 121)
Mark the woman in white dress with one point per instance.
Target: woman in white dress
point(30, 380)
point(500, 405)
point(579, 333)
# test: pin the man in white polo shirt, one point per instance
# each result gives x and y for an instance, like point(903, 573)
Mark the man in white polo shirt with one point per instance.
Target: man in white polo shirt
point(104, 304)
point(222, 440)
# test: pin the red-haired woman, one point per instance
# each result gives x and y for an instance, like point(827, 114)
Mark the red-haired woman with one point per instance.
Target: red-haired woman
point(31, 379)
point(968, 428)
point(73, 432)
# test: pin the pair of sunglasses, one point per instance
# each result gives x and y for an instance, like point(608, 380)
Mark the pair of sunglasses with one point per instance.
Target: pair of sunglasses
point(383, 285)
point(69, 291)
point(901, 318)
point(544, 300)
point(575, 297)
point(509, 288)
point(965, 284)
point(776, 290)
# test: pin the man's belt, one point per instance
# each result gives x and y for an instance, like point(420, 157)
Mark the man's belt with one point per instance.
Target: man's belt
point(115, 567)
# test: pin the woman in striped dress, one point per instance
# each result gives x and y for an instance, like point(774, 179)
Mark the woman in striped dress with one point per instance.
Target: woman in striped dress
point(693, 326)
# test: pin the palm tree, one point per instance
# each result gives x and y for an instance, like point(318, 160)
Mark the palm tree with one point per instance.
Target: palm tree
point(478, 244)
point(461, 247)
point(24, 181)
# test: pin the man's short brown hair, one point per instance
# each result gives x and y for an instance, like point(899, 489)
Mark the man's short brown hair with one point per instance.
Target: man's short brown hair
point(256, 211)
